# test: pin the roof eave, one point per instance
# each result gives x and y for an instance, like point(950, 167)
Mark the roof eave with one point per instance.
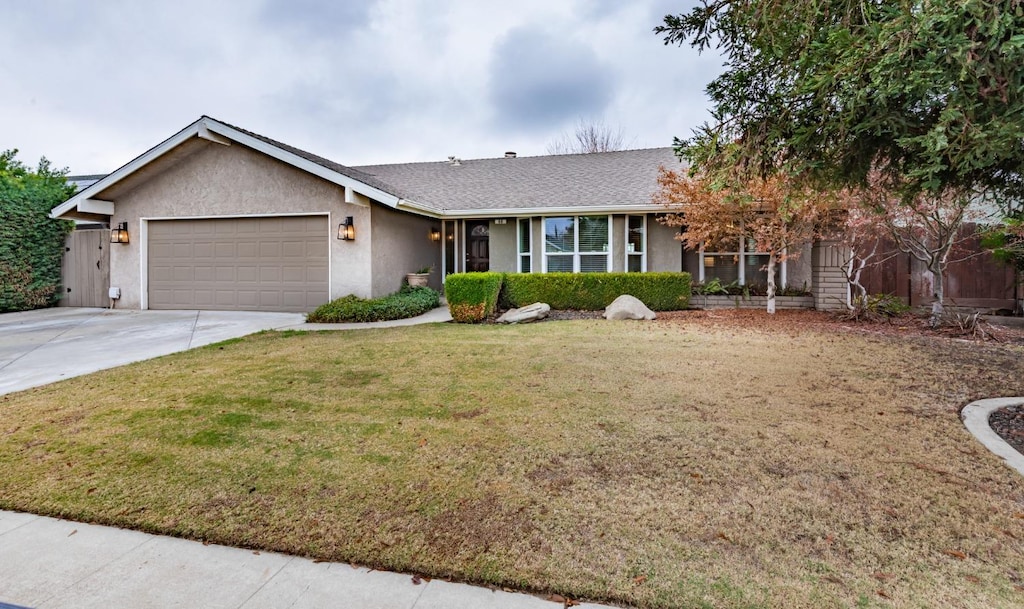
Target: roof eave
point(551, 211)
point(204, 127)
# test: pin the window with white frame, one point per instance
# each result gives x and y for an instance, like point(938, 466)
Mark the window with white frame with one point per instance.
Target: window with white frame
point(737, 261)
point(636, 244)
point(577, 244)
point(525, 246)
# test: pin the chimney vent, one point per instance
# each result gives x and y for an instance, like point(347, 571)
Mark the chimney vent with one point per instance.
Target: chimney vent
point(510, 154)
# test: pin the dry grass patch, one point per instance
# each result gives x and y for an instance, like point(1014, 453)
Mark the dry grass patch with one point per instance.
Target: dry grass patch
point(681, 463)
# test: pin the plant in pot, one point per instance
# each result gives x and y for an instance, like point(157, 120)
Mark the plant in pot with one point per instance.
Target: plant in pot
point(418, 278)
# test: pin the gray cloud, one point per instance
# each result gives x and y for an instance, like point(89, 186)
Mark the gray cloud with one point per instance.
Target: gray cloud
point(327, 20)
point(358, 82)
point(539, 80)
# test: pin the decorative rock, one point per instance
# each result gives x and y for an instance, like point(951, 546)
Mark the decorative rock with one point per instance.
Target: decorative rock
point(628, 307)
point(537, 310)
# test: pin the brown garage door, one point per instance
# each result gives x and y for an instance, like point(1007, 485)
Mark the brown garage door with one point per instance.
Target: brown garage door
point(239, 264)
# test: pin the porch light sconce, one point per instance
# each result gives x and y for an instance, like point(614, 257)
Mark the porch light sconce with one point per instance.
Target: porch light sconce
point(119, 234)
point(347, 230)
point(435, 235)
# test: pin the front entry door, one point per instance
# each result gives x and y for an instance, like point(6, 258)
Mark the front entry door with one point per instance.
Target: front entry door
point(478, 257)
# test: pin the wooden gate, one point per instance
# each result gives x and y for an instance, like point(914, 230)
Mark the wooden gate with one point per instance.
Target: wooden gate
point(974, 280)
point(85, 269)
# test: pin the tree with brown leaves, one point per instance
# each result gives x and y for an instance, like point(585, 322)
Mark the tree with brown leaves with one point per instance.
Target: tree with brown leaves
point(779, 216)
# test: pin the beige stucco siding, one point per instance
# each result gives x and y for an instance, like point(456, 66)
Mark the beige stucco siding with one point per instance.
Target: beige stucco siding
point(618, 229)
point(503, 250)
point(664, 251)
point(401, 245)
point(233, 181)
point(798, 270)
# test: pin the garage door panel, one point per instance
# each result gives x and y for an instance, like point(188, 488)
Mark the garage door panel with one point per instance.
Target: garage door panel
point(293, 249)
point(270, 249)
point(204, 274)
point(183, 273)
point(316, 275)
point(277, 264)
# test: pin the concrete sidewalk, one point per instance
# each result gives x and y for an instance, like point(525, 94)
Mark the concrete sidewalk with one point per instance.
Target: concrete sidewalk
point(55, 564)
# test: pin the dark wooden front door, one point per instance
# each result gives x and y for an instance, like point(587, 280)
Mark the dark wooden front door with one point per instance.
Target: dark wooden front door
point(478, 257)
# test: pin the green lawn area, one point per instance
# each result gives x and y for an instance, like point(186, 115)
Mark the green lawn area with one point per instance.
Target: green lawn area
point(677, 463)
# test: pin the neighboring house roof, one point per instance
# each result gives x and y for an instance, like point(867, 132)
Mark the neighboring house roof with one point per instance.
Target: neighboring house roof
point(603, 182)
point(82, 182)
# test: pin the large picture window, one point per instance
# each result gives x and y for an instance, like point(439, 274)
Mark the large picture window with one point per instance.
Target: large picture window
point(737, 262)
point(577, 244)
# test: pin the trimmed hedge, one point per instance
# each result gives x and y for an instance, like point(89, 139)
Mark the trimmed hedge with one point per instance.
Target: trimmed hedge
point(595, 291)
point(407, 302)
point(472, 297)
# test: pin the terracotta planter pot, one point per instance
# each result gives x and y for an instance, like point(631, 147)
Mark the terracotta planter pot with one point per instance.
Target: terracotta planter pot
point(417, 280)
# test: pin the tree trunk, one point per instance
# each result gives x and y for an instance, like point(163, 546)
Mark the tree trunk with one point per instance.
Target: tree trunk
point(855, 268)
point(771, 284)
point(938, 290)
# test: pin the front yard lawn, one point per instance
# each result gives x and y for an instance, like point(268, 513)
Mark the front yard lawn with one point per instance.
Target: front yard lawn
point(677, 463)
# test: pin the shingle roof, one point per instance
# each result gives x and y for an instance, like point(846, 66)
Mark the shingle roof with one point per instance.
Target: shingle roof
point(355, 174)
point(626, 178)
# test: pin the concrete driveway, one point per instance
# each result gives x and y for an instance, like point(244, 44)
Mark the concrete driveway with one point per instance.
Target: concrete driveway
point(47, 345)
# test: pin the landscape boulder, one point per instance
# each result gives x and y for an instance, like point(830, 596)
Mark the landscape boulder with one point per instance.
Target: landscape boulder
point(628, 307)
point(537, 310)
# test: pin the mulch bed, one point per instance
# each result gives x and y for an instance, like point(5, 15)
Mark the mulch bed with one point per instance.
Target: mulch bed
point(1009, 424)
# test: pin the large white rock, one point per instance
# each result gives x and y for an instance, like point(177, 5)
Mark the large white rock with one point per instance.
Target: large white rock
point(628, 307)
point(537, 310)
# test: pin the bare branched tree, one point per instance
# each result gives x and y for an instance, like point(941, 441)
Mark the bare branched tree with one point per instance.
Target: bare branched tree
point(588, 136)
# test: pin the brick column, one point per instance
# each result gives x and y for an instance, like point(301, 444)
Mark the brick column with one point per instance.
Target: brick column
point(828, 283)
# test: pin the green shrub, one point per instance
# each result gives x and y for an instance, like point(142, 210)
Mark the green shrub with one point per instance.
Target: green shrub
point(407, 302)
point(595, 291)
point(31, 243)
point(472, 297)
point(715, 287)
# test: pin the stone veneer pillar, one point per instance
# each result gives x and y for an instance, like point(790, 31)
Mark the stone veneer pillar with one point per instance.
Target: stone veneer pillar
point(829, 285)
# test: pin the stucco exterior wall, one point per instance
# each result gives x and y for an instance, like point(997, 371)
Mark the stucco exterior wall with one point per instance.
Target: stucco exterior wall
point(664, 251)
point(618, 244)
point(798, 270)
point(401, 244)
point(234, 181)
point(503, 251)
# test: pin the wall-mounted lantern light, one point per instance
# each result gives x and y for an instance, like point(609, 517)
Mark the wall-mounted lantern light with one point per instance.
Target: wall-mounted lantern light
point(119, 234)
point(347, 230)
point(435, 235)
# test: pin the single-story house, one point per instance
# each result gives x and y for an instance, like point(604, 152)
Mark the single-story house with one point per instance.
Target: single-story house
point(217, 217)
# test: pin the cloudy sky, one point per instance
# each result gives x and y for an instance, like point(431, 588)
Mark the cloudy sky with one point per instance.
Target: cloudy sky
point(93, 84)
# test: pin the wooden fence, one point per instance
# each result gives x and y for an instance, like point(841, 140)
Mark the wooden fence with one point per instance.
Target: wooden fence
point(974, 279)
point(86, 269)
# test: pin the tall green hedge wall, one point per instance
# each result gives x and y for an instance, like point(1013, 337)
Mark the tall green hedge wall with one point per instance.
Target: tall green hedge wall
point(31, 244)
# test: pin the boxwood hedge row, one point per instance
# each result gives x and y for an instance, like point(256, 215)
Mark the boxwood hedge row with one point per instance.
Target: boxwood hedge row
point(472, 296)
